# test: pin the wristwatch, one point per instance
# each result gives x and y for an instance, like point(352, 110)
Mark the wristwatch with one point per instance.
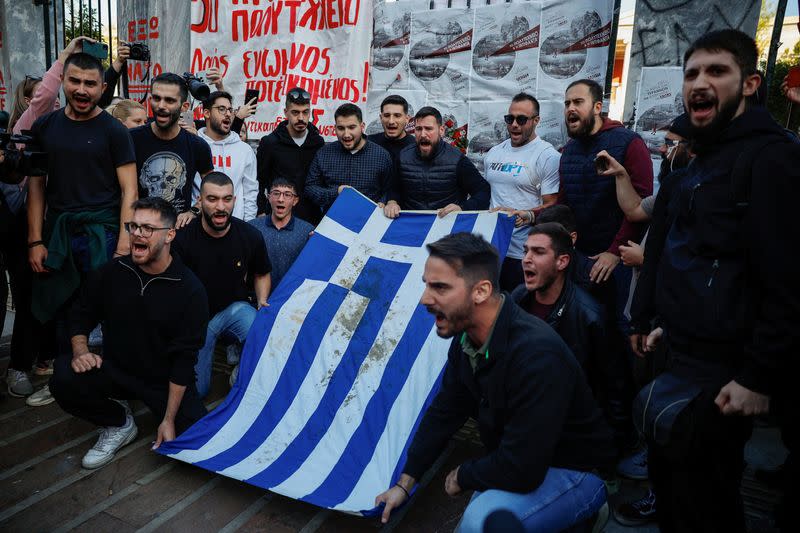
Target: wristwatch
point(195, 210)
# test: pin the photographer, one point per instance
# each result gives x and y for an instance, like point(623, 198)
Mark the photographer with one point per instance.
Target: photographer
point(113, 73)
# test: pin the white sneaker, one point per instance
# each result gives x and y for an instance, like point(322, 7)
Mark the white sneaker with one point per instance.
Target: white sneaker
point(111, 439)
point(18, 383)
point(40, 397)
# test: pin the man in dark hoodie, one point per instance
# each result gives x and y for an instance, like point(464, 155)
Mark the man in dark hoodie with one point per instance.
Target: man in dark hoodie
point(719, 274)
point(287, 153)
point(154, 312)
point(602, 227)
point(542, 430)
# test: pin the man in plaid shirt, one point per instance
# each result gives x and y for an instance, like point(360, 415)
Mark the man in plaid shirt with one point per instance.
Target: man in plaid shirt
point(353, 161)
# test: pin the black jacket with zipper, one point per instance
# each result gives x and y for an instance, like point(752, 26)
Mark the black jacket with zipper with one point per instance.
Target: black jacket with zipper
point(153, 326)
point(278, 156)
point(718, 270)
point(532, 403)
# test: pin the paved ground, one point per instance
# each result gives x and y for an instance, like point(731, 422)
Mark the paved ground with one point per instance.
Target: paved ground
point(43, 488)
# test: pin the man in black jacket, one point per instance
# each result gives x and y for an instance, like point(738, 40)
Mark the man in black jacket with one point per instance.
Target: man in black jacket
point(507, 369)
point(718, 272)
point(432, 175)
point(154, 314)
point(287, 153)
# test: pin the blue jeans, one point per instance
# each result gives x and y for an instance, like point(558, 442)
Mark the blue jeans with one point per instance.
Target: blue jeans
point(232, 323)
point(564, 499)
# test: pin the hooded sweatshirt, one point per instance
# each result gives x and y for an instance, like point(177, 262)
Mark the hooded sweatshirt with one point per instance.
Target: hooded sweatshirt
point(234, 157)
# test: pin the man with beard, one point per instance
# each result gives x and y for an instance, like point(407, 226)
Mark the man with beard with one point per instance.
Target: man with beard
point(167, 156)
point(433, 175)
point(287, 153)
point(718, 274)
point(229, 154)
point(542, 430)
point(76, 213)
point(522, 172)
point(154, 313)
point(394, 119)
point(353, 161)
point(284, 234)
point(602, 227)
point(229, 257)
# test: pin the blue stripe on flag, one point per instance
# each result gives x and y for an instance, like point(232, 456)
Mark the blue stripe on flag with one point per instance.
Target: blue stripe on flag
point(294, 372)
point(359, 451)
point(351, 210)
point(379, 281)
point(464, 222)
point(411, 230)
point(501, 238)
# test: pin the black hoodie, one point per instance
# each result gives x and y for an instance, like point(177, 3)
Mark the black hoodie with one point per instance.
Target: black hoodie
point(718, 265)
point(279, 157)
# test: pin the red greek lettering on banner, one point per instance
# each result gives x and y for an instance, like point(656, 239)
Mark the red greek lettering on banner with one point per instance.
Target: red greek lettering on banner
point(209, 22)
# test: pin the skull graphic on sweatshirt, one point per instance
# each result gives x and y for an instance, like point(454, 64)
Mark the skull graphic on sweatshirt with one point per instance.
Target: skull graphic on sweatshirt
point(164, 175)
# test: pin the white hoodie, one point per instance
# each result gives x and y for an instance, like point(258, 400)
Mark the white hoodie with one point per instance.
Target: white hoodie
point(235, 158)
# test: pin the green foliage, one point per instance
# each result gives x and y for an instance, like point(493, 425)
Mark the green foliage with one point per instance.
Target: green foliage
point(89, 28)
point(776, 103)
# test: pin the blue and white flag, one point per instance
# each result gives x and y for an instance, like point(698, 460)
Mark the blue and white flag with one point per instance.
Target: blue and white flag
point(337, 372)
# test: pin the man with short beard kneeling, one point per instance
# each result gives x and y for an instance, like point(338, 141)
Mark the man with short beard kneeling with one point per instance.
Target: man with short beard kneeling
point(154, 313)
point(542, 430)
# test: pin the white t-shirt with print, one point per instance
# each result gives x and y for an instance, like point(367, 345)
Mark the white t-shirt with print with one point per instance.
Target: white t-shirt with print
point(519, 177)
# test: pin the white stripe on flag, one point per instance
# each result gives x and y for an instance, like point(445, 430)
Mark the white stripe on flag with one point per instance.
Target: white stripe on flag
point(349, 415)
point(266, 374)
point(327, 358)
point(403, 414)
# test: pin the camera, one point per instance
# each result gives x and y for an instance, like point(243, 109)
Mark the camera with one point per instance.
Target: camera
point(197, 88)
point(18, 163)
point(139, 51)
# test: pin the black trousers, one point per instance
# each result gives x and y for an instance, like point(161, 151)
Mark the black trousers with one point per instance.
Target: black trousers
point(88, 395)
point(697, 476)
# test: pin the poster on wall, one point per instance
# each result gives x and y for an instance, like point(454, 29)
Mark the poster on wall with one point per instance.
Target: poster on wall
point(441, 49)
point(273, 47)
point(486, 129)
point(415, 99)
point(390, 43)
point(505, 51)
point(574, 40)
point(551, 126)
point(659, 101)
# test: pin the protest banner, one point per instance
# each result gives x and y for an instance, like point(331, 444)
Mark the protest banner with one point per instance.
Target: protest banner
point(338, 369)
point(506, 50)
point(574, 40)
point(659, 101)
point(322, 47)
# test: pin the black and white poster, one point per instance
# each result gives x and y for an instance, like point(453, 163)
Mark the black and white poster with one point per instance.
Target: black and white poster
point(660, 100)
point(390, 43)
point(551, 126)
point(486, 129)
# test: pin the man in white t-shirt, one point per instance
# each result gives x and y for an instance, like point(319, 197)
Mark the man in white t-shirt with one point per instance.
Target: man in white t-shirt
point(523, 174)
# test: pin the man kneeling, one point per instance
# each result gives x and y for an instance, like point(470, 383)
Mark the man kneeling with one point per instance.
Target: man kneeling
point(510, 371)
point(154, 313)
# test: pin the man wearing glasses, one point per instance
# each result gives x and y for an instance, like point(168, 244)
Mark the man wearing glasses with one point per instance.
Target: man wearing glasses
point(229, 154)
point(288, 151)
point(522, 172)
point(154, 312)
point(284, 234)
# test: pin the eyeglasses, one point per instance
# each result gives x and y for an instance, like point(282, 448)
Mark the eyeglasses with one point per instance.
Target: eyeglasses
point(299, 96)
point(286, 194)
point(145, 230)
point(521, 119)
point(222, 109)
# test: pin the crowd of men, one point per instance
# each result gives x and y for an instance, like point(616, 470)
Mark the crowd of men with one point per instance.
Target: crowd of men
point(172, 238)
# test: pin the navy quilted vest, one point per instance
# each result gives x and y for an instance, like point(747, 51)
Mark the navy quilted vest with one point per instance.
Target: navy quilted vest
point(429, 184)
point(593, 198)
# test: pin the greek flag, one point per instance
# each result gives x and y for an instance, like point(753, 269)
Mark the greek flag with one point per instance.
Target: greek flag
point(337, 372)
